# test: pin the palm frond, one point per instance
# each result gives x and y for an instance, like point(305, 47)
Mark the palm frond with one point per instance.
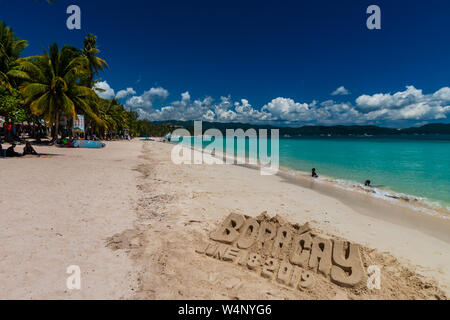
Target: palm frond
point(41, 105)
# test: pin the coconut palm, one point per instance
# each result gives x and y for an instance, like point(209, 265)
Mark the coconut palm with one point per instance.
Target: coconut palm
point(10, 49)
point(114, 116)
point(52, 85)
point(96, 64)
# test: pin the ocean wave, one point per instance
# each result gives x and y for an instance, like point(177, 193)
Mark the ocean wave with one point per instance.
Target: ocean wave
point(421, 204)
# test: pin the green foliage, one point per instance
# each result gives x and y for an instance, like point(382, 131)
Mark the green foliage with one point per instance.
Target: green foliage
point(96, 64)
point(10, 49)
point(10, 104)
point(145, 128)
point(19, 115)
point(60, 83)
point(51, 86)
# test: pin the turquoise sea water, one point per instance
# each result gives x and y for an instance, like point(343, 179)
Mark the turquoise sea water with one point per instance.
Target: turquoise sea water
point(413, 165)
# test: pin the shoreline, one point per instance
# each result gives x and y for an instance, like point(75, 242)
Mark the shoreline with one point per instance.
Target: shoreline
point(415, 203)
point(399, 213)
point(436, 224)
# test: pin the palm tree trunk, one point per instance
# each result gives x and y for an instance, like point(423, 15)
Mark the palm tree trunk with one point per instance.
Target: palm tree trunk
point(70, 128)
point(55, 133)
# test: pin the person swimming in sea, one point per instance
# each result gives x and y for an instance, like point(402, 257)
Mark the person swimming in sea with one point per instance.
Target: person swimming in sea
point(367, 183)
point(314, 173)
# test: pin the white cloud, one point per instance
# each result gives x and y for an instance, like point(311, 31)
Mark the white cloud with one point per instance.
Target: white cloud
point(287, 109)
point(278, 110)
point(182, 109)
point(159, 93)
point(247, 113)
point(145, 101)
point(387, 100)
point(341, 91)
point(209, 116)
point(107, 92)
point(186, 97)
point(410, 105)
point(125, 93)
point(382, 108)
point(442, 94)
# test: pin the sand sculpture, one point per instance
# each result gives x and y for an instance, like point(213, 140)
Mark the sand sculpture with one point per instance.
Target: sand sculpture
point(290, 254)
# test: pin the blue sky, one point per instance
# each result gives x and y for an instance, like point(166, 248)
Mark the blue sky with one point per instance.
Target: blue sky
point(260, 62)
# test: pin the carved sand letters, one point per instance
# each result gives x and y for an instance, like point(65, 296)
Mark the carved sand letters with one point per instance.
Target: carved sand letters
point(288, 254)
point(301, 250)
point(348, 269)
point(267, 232)
point(321, 255)
point(249, 234)
point(281, 246)
point(228, 231)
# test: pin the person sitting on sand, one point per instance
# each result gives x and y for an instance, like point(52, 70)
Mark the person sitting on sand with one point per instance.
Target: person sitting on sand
point(2, 152)
point(10, 152)
point(29, 150)
point(367, 183)
point(314, 174)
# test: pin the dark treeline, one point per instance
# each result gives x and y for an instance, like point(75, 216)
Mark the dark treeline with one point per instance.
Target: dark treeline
point(437, 128)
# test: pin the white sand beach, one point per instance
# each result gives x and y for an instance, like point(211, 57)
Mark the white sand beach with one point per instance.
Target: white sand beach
point(132, 220)
point(58, 210)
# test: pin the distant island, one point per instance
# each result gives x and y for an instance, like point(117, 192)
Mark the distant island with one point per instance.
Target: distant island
point(435, 128)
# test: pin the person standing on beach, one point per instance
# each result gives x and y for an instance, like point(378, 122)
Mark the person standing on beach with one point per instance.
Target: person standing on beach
point(314, 173)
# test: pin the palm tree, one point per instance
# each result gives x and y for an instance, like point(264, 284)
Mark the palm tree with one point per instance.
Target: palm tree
point(11, 48)
point(52, 85)
point(96, 64)
point(114, 116)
